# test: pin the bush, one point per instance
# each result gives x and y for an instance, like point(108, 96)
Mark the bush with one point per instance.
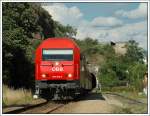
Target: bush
point(136, 75)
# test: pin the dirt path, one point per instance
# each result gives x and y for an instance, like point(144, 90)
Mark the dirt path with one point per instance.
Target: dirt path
point(93, 103)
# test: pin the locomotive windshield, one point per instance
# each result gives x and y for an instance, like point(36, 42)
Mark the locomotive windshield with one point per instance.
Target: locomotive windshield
point(57, 54)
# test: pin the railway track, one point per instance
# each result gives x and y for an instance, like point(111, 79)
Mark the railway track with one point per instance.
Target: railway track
point(125, 98)
point(18, 109)
point(42, 108)
point(51, 106)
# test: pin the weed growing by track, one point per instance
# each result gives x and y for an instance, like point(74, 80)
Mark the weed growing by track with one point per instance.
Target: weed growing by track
point(15, 97)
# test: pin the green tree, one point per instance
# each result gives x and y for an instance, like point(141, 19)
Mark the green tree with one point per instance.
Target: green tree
point(134, 52)
point(64, 31)
point(88, 46)
point(45, 22)
point(117, 70)
point(19, 22)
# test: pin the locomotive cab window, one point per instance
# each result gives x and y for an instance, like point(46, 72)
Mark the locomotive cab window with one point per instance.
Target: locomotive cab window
point(57, 54)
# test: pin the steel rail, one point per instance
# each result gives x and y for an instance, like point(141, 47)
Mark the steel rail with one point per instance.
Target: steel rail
point(29, 109)
point(24, 108)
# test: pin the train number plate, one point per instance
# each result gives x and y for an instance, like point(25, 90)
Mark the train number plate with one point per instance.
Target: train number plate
point(56, 76)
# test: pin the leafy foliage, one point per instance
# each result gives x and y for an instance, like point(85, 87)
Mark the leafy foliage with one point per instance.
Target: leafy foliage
point(88, 46)
point(136, 74)
point(64, 31)
point(134, 53)
point(125, 69)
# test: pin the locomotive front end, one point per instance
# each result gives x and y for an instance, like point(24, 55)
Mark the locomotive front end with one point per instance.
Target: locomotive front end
point(56, 71)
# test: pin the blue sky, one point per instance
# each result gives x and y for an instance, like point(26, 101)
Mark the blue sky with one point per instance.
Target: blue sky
point(103, 21)
point(92, 10)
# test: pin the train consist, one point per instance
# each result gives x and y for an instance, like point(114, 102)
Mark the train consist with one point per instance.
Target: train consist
point(61, 70)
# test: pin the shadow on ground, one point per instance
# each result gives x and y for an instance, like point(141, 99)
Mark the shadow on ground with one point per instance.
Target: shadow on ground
point(92, 96)
point(89, 96)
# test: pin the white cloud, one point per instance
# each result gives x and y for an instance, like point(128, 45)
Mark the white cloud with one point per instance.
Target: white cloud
point(64, 14)
point(106, 21)
point(140, 12)
point(136, 31)
point(105, 29)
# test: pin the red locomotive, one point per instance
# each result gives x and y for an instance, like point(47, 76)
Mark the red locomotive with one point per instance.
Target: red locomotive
point(61, 70)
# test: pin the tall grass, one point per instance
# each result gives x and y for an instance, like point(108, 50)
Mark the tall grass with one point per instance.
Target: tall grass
point(15, 97)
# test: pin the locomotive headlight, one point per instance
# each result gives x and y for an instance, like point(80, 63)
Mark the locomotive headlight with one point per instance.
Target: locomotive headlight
point(69, 75)
point(56, 63)
point(43, 75)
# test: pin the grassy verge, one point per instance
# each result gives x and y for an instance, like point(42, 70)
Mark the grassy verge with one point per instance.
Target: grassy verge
point(15, 97)
point(129, 108)
point(127, 92)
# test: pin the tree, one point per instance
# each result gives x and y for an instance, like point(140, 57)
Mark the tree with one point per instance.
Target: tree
point(116, 70)
point(19, 22)
point(45, 21)
point(134, 52)
point(64, 31)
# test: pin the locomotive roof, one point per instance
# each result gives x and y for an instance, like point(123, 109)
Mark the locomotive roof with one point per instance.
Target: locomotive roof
point(58, 43)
